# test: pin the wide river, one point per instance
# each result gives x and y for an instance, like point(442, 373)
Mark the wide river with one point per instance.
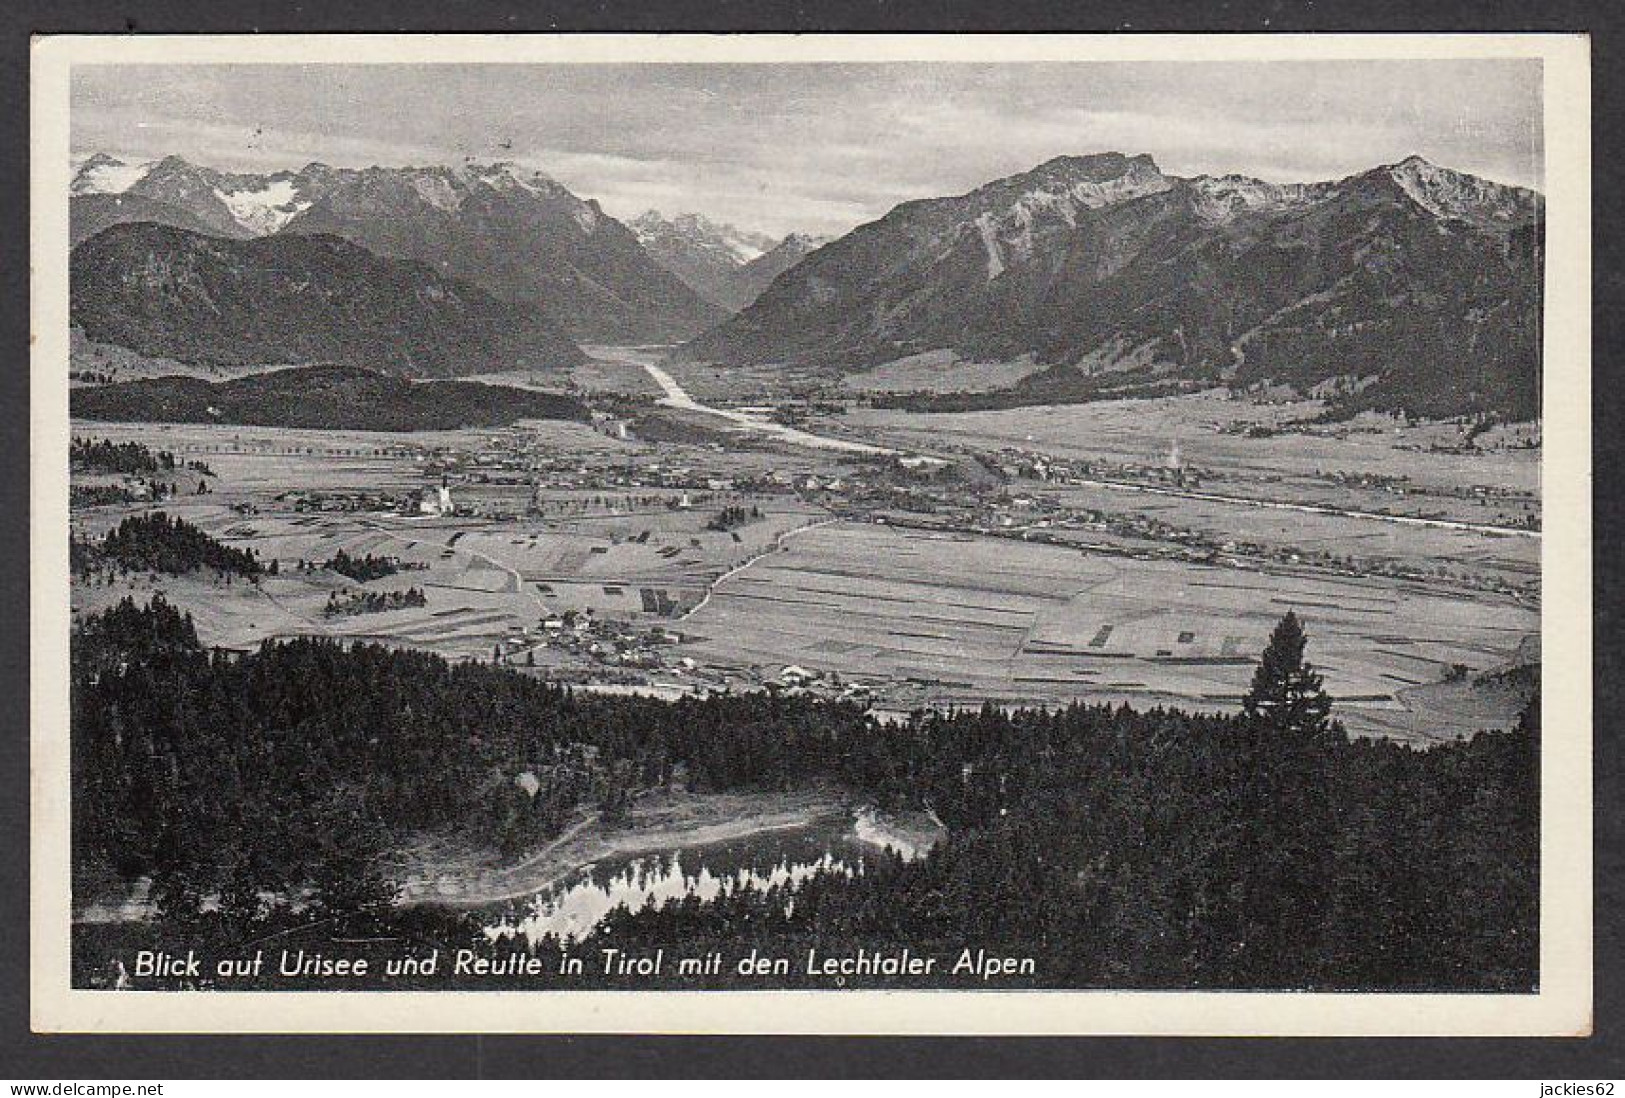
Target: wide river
point(677, 397)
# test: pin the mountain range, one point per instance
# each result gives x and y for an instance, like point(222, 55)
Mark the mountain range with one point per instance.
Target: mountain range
point(1409, 286)
point(727, 266)
point(516, 233)
point(171, 292)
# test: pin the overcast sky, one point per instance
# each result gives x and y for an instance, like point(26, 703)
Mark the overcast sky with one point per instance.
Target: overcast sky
point(819, 148)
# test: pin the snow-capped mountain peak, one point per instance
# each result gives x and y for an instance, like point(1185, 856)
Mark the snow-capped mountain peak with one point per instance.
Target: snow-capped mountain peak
point(263, 210)
point(727, 242)
point(506, 227)
point(104, 174)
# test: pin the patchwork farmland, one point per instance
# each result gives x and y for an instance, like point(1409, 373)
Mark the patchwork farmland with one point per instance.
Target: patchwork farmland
point(952, 619)
point(586, 553)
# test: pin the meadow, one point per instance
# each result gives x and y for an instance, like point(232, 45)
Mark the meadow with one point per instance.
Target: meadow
point(1211, 430)
point(948, 619)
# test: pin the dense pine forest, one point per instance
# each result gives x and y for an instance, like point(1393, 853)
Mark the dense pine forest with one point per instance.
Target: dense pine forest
point(367, 567)
point(102, 455)
point(155, 542)
point(100, 495)
point(265, 794)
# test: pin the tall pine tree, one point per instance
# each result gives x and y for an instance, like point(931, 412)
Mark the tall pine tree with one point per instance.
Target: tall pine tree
point(1286, 694)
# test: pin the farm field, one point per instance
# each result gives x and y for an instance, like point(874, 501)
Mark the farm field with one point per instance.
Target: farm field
point(614, 563)
point(1142, 431)
point(742, 384)
point(1511, 557)
point(483, 586)
point(1479, 505)
point(472, 602)
point(638, 555)
point(953, 619)
point(604, 372)
point(940, 372)
point(320, 454)
point(586, 555)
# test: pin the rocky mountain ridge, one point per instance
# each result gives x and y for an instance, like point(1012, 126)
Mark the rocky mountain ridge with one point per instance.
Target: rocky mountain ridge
point(515, 232)
point(1406, 286)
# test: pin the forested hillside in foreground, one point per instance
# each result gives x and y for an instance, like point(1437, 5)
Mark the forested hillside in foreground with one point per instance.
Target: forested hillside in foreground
point(1120, 848)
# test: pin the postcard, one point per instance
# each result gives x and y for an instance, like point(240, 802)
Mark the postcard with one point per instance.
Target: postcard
point(982, 534)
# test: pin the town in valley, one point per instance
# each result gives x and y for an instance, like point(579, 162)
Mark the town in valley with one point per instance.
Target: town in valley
point(550, 495)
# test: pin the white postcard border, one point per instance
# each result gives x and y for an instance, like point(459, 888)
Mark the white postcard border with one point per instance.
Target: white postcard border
point(1561, 1008)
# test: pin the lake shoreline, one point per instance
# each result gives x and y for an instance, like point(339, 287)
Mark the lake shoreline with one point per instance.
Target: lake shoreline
point(444, 872)
point(444, 875)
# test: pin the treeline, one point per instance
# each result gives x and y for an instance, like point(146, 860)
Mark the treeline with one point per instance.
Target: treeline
point(372, 602)
point(344, 398)
point(1062, 384)
point(98, 495)
point(1120, 848)
point(1165, 851)
point(100, 455)
point(363, 568)
point(105, 456)
point(298, 767)
point(155, 542)
point(733, 516)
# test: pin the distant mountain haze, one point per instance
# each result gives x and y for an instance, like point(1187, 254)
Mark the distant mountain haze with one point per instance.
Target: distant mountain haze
point(516, 233)
point(752, 278)
point(168, 292)
point(726, 265)
point(1408, 286)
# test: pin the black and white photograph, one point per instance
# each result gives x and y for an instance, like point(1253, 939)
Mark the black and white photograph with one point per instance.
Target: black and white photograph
point(700, 523)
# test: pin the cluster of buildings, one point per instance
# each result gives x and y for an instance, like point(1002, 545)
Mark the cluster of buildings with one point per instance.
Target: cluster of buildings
point(601, 640)
point(1016, 463)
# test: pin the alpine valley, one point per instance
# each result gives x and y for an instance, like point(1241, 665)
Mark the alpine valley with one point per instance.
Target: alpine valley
point(1101, 578)
point(1409, 287)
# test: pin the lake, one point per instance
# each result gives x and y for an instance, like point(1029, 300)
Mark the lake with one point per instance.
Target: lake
point(572, 907)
